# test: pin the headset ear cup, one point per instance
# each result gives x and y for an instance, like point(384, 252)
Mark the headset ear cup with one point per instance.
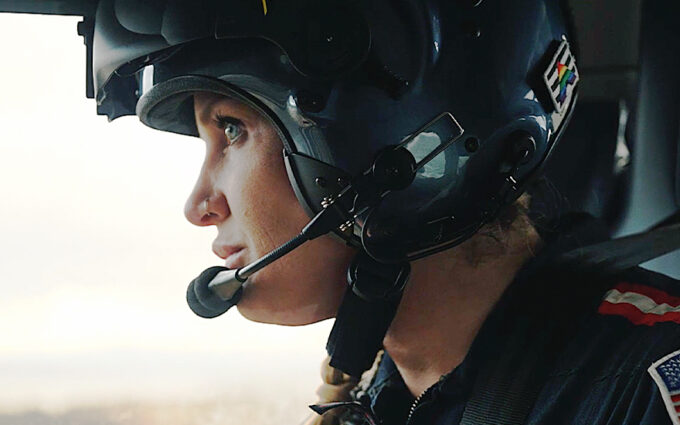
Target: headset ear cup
point(202, 300)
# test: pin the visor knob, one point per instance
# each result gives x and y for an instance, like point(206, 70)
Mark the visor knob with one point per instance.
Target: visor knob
point(393, 169)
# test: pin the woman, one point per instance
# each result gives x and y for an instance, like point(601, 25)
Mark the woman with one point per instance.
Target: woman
point(398, 174)
point(243, 191)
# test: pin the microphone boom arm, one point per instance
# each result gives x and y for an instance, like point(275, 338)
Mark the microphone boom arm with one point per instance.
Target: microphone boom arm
point(226, 284)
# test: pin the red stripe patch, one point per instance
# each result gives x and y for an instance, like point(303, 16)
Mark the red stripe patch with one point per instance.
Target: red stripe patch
point(675, 398)
point(657, 295)
point(632, 313)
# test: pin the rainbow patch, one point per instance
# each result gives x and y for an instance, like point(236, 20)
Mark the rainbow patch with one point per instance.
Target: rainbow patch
point(561, 77)
point(566, 77)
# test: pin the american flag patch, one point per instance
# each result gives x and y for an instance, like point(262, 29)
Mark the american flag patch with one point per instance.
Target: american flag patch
point(641, 304)
point(561, 78)
point(666, 374)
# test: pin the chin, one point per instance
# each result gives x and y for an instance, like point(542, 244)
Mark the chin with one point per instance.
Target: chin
point(284, 293)
point(262, 303)
point(284, 318)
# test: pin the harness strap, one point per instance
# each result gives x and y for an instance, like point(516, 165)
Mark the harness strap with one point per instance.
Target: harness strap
point(505, 392)
point(623, 253)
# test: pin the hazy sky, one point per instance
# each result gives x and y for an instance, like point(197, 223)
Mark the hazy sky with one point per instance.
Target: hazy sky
point(95, 254)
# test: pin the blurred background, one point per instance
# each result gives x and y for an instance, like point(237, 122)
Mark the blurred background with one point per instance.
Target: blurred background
point(95, 258)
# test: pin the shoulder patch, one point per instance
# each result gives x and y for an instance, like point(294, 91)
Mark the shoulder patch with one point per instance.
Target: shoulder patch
point(666, 375)
point(641, 304)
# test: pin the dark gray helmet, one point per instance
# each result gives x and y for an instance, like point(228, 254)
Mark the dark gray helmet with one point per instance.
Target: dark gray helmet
point(477, 91)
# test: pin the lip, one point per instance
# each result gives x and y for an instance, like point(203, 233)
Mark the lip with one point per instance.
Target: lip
point(235, 259)
point(232, 254)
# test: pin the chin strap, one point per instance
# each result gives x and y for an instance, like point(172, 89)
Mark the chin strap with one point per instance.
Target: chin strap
point(367, 309)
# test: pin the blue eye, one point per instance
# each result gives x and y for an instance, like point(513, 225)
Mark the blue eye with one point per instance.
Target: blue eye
point(232, 131)
point(233, 128)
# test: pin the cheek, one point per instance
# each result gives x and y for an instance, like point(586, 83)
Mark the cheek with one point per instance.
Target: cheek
point(304, 286)
point(261, 198)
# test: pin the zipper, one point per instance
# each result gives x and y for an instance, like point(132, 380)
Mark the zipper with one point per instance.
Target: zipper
point(354, 406)
point(417, 401)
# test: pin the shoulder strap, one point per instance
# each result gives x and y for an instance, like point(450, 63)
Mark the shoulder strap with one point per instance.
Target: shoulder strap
point(623, 253)
point(505, 392)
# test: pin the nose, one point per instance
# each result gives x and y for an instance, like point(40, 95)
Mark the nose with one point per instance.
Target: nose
point(207, 205)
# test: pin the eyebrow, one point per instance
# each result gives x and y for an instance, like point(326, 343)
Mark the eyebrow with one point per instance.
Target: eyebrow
point(204, 113)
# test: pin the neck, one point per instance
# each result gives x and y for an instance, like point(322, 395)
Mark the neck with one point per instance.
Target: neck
point(444, 306)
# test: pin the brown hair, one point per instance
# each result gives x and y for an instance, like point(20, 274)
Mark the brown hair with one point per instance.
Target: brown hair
point(511, 232)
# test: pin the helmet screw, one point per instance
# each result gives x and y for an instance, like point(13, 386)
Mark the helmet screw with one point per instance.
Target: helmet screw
point(342, 182)
point(320, 181)
point(346, 225)
point(327, 201)
point(471, 144)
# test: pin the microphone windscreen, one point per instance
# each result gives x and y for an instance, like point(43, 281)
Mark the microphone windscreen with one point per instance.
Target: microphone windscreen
point(202, 300)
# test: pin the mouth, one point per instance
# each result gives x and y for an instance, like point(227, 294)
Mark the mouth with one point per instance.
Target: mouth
point(235, 258)
point(233, 255)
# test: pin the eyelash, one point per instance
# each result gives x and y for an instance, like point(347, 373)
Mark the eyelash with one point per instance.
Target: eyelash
point(221, 121)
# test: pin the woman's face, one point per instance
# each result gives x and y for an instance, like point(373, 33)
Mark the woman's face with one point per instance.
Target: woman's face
point(243, 190)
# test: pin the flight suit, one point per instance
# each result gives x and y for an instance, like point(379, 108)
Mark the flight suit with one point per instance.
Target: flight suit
point(601, 340)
